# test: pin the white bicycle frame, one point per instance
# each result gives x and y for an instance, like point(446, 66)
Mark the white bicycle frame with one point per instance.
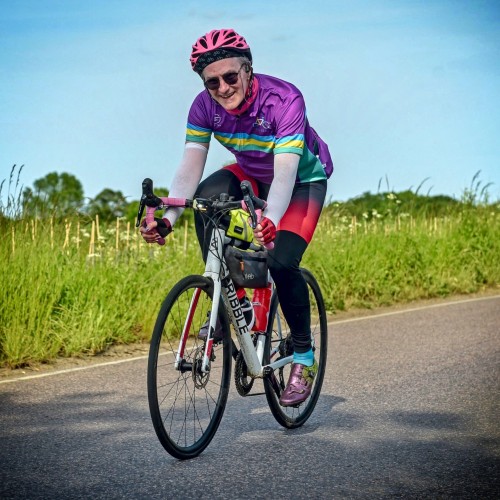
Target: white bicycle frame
point(216, 269)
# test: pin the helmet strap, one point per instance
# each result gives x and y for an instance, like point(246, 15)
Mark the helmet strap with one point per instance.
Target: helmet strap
point(250, 96)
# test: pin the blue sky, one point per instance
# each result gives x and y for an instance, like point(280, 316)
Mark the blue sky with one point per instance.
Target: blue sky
point(403, 91)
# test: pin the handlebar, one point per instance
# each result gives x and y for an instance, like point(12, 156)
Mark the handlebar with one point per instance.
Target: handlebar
point(151, 203)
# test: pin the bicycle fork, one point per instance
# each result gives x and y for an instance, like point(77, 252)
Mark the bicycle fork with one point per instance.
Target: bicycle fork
point(180, 363)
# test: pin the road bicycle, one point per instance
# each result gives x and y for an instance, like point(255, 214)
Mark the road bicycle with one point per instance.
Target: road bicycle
point(188, 378)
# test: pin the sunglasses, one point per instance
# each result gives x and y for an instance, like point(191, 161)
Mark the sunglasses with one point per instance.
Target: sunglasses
point(230, 78)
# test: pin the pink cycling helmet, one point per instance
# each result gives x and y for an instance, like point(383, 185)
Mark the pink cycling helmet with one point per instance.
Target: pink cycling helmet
point(217, 45)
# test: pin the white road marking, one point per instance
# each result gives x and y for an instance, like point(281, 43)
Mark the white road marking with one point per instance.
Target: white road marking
point(413, 309)
point(331, 323)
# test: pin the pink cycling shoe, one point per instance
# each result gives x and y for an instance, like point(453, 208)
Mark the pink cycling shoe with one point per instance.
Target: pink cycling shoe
point(299, 384)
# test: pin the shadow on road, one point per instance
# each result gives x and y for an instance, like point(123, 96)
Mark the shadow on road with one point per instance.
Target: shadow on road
point(100, 444)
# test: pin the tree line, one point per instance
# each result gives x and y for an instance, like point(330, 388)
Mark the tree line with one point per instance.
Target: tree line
point(62, 194)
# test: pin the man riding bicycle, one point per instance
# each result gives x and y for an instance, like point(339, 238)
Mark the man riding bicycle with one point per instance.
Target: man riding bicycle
point(262, 121)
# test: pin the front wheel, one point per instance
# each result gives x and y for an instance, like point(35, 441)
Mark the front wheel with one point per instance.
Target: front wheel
point(279, 345)
point(187, 403)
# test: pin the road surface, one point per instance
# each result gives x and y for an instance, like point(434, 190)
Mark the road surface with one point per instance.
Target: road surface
point(410, 409)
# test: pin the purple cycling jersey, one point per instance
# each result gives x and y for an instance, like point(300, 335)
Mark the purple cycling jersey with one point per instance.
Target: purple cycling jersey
point(275, 122)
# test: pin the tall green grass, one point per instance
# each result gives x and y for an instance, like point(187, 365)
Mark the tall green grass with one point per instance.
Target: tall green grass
point(63, 300)
point(71, 287)
point(383, 263)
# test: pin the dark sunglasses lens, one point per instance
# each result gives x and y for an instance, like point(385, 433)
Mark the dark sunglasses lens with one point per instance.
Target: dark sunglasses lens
point(230, 78)
point(212, 83)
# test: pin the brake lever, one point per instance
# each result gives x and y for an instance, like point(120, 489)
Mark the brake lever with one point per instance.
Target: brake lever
point(140, 212)
point(247, 190)
point(251, 201)
point(147, 194)
point(149, 201)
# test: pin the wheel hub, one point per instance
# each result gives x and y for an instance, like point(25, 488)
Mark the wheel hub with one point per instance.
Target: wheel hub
point(200, 378)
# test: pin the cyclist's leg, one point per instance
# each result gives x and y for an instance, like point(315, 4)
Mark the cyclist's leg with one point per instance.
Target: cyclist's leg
point(295, 231)
point(291, 287)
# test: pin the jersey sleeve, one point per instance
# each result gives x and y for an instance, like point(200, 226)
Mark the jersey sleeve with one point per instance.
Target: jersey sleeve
point(290, 127)
point(198, 128)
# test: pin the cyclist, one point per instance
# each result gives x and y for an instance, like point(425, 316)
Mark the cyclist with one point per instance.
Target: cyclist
point(262, 121)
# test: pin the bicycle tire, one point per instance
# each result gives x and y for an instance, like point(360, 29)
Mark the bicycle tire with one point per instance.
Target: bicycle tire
point(278, 338)
point(186, 405)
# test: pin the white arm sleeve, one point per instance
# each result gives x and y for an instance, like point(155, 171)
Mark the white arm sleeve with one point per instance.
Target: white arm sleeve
point(187, 177)
point(280, 192)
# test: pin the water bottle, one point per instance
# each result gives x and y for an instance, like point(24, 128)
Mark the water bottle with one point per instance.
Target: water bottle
point(261, 301)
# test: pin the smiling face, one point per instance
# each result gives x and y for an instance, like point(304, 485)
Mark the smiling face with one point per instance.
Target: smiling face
point(228, 95)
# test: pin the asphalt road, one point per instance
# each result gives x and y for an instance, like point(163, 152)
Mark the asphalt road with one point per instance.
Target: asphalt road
point(409, 409)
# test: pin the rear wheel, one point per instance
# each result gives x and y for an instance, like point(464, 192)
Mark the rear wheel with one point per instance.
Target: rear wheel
point(187, 404)
point(279, 345)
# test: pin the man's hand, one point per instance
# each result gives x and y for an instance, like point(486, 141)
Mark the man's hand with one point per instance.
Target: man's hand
point(156, 231)
point(265, 232)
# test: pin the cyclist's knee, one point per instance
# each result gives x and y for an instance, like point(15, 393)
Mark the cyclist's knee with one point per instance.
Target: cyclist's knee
point(282, 265)
point(287, 253)
point(284, 268)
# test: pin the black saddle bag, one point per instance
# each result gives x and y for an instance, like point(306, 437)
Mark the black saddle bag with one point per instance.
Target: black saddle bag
point(247, 269)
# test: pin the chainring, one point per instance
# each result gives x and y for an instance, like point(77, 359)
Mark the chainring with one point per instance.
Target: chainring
point(242, 380)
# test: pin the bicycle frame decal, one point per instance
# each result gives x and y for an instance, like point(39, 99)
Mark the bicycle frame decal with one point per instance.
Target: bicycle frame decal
point(235, 307)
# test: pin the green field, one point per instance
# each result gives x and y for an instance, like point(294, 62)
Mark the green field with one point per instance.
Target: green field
point(75, 285)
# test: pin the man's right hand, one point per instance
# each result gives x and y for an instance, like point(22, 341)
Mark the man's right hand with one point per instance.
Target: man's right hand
point(156, 231)
point(265, 232)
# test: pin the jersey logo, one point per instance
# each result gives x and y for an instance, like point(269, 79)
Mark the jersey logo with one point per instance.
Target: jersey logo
point(261, 122)
point(217, 120)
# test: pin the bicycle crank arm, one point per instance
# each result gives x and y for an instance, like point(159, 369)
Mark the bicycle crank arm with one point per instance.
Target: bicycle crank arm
point(269, 374)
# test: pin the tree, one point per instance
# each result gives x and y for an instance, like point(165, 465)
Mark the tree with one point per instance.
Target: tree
point(108, 204)
point(60, 193)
